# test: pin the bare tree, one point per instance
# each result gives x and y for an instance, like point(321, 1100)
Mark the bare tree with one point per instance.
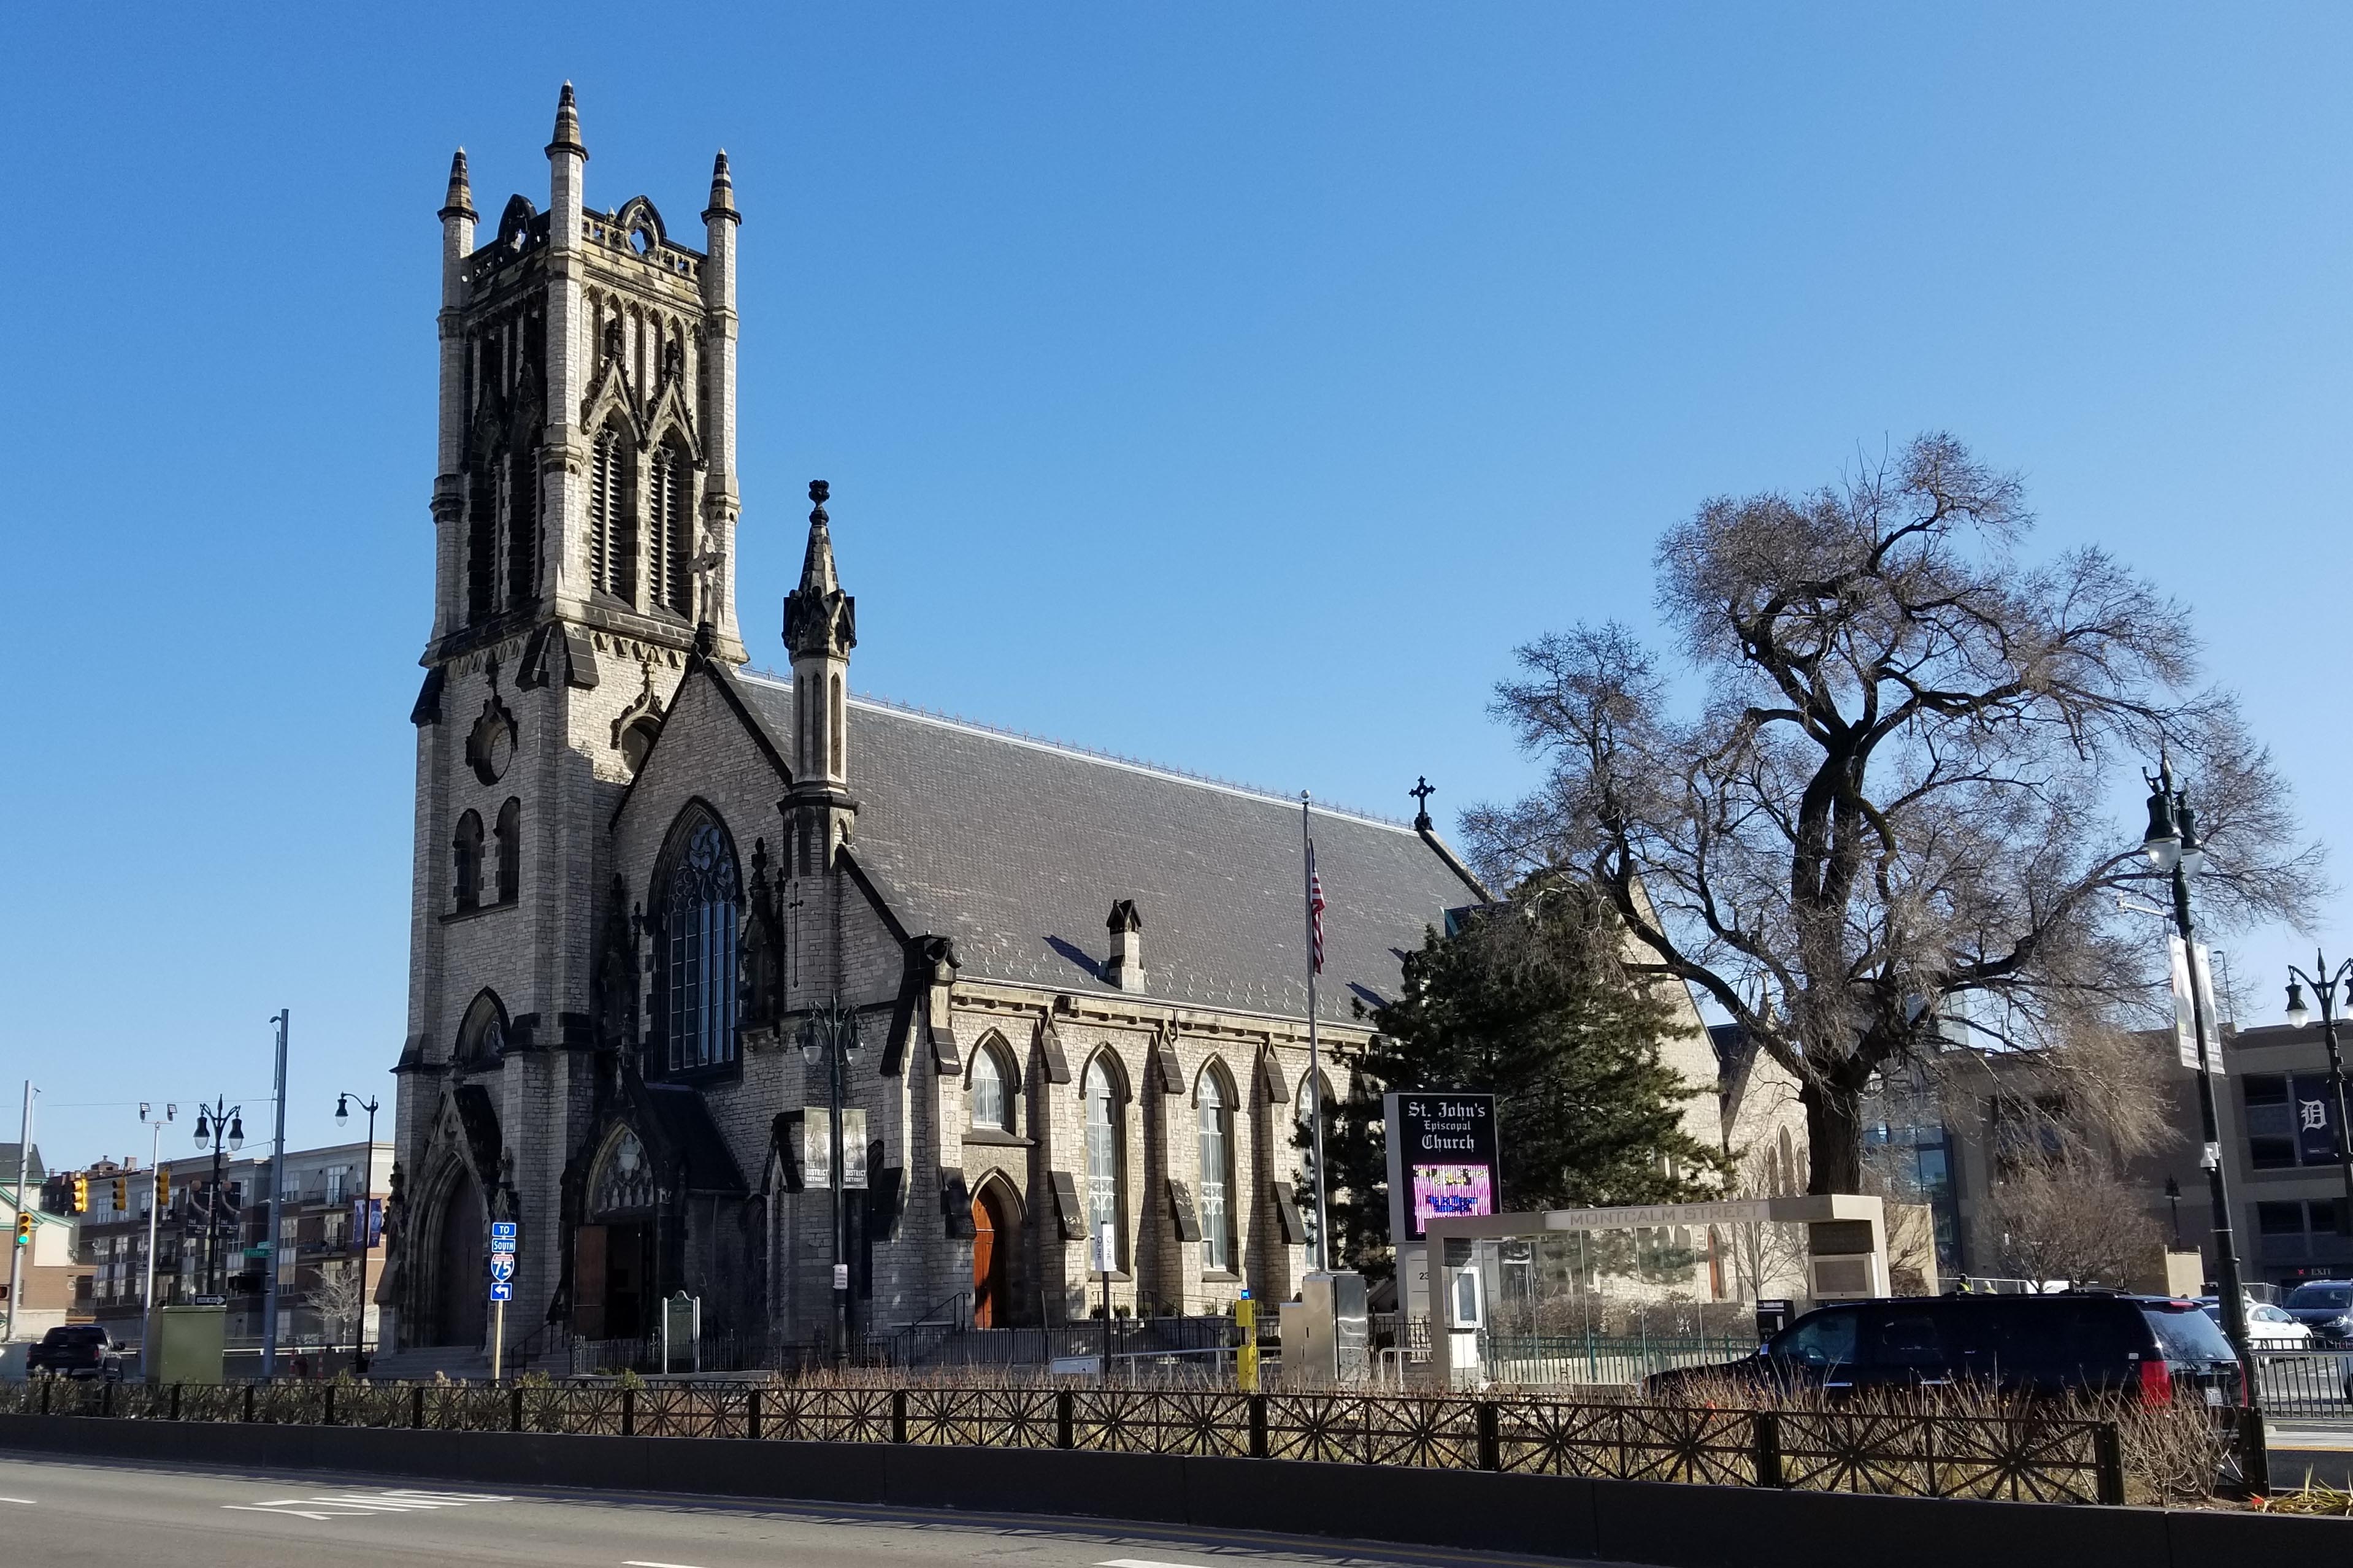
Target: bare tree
point(1894, 812)
point(2070, 1220)
point(340, 1295)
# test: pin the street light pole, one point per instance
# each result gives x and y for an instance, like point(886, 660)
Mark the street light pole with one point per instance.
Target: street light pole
point(216, 1123)
point(2172, 846)
point(24, 1173)
point(274, 1263)
point(2298, 1015)
point(154, 1217)
point(367, 1217)
point(834, 1031)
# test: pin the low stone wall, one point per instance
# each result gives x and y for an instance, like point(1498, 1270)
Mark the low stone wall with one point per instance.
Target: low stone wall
point(1670, 1525)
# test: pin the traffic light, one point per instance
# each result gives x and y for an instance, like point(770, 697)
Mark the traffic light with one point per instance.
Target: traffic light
point(122, 1195)
point(24, 1228)
point(81, 1195)
point(163, 1187)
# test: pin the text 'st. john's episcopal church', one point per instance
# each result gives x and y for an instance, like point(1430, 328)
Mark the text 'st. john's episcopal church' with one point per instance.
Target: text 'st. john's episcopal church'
point(642, 873)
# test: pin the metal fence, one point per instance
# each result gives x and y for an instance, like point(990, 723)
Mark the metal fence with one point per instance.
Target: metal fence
point(1135, 1344)
point(2313, 1386)
point(1529, 1360)
point(2026, 1456)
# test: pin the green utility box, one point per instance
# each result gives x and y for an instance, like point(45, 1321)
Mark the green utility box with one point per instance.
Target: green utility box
point(190, 1344)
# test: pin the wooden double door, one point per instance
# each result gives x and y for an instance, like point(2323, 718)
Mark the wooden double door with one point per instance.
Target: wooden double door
point(611, 1275)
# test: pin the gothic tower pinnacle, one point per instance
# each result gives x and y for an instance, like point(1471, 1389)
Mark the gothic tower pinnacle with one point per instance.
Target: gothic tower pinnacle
point(820, 629)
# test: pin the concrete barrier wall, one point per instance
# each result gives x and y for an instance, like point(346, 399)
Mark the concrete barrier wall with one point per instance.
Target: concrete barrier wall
point(1669, 1525)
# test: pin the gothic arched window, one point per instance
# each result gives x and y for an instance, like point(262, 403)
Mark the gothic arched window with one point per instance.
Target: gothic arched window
point(624, 1182)
point(482, 540)
point(613, 515)
point(510, 837)
point(1213, 1102)
point(1303, 1108)
point(1106, 1157)
point(700, 905)
point(991, 1080)
point(483, 1035)
point(671, 491)
point(466, 855)
point(522, 526)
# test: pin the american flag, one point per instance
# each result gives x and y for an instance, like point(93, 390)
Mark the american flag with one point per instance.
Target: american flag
point(1314, 911)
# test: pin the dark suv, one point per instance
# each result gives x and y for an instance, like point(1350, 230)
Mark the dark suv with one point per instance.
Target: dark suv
point(2326, 1307)
point(77, 1350)
point(2075, 1342)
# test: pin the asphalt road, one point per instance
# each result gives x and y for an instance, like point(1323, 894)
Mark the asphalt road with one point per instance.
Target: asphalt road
point(78, 1513)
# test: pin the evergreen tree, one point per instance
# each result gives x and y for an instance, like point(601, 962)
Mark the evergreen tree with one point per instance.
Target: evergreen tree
point(1528, 1001)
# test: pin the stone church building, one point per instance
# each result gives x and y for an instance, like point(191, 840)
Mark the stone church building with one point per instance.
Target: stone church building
point(645, 878)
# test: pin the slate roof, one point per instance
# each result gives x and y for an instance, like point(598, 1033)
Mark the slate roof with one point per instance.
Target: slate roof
point(1017, 849)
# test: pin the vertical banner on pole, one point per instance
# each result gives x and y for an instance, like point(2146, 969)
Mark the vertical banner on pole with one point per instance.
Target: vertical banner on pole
point(2193, 967)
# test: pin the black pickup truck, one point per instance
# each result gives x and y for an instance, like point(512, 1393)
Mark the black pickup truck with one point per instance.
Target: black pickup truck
point(77, 1350)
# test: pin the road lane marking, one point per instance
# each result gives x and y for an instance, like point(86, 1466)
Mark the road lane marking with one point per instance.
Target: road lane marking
point(640, 1563)
point(365, 1504)
point(28, 1502)
point(1143, 1563)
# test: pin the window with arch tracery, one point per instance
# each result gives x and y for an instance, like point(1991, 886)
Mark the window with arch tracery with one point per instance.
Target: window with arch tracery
point(625, 1179)
point(1214, 1113)
point(701, 902)
point(522, 526)
point(613, 516)
point(1104, 1160)
point(669, 491)
point(992, 1089)
point(482, 1036)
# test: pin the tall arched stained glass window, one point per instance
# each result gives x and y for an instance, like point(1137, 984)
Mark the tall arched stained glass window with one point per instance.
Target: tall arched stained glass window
point(1215, 1115)
point(701, 898)
point(992, 1090)
point(1105, 1115)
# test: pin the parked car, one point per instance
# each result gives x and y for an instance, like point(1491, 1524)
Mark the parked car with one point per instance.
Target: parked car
point(2326, 1307)
point(77, 1350)
point(2269, 1328)
point(2065, 1344)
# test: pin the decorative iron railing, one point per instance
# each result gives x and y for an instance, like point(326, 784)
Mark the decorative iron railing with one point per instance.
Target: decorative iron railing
point(2027, 1454)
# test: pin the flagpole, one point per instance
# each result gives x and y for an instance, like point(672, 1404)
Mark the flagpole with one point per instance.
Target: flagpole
point(1315, 1048)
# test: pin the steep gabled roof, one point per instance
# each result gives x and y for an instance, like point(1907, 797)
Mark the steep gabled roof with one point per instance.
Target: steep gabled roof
point(1017, 850)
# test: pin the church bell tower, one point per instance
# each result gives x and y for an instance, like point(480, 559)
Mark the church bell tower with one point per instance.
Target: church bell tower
point(584, 507)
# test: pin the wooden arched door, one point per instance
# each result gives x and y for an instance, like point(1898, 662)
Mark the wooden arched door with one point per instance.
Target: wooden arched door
point(994, 1240)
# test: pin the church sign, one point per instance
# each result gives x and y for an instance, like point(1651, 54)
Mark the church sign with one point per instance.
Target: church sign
point(1441, 1159)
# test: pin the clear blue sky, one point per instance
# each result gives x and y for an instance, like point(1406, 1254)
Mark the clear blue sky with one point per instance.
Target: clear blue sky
point(1233, 387)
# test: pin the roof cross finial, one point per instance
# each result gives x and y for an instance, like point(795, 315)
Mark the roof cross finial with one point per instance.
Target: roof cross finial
point(1421, 792)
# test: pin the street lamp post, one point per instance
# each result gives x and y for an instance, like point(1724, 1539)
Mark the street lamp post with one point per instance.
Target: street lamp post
point(217, 1124)
point(2172, 846)
point(154, 1218)
point(834, 1031)
point(368, 1216)
point(2299, 1015)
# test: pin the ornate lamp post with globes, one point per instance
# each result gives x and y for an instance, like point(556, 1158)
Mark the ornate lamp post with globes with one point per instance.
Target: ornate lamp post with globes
point(2299, 1015)
point(2172, 846)
point(217, 1124)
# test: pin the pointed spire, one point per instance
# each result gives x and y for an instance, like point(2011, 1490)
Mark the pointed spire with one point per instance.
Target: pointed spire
point(459, 202)
point(820, 618)
point(567, 128)
point(722, 192)
point(817, 565)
